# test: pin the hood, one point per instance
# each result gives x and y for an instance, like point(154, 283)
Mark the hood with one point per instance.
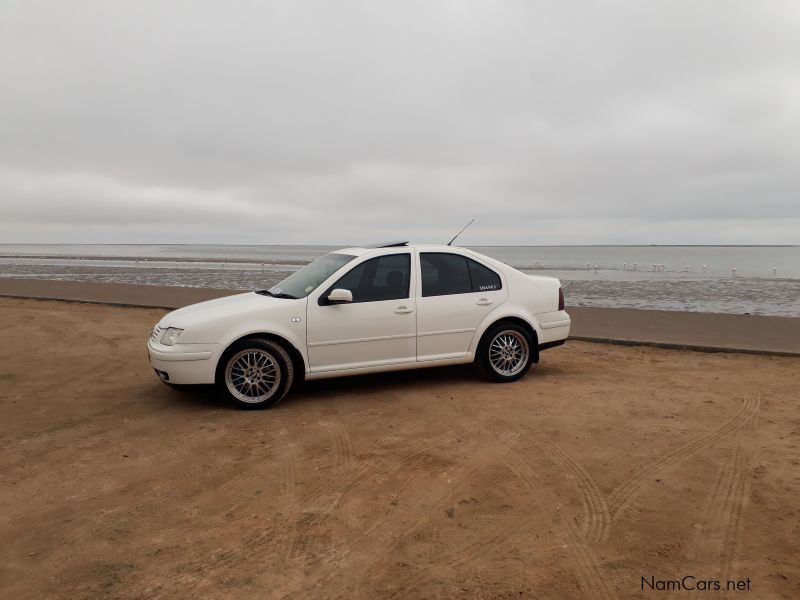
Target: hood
point(220, 308)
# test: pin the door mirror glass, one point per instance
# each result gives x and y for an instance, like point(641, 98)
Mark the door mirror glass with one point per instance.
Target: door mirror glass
point(340, 296)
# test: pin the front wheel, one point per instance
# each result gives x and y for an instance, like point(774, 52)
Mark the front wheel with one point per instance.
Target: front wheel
point(255, 373)
point(505, 353)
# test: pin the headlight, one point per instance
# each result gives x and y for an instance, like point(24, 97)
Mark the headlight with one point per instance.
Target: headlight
point(171, 335)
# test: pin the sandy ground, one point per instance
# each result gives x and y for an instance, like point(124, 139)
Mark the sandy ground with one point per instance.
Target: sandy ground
point(604, 465)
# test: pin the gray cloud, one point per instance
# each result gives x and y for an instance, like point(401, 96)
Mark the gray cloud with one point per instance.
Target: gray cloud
point(303, 122)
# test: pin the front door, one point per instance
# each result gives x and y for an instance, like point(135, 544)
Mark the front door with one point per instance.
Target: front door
point(377, 328)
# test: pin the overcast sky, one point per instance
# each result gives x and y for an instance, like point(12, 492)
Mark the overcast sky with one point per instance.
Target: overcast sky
point(339, 122)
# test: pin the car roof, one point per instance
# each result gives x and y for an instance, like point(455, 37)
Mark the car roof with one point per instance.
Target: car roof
point(394, 244)
point(359, 250)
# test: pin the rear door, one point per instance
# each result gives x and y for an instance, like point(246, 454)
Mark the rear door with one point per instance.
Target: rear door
point(456, 294)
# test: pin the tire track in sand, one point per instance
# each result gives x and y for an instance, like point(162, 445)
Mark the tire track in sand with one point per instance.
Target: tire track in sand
point(204, 567)
point(304, 530)
point(162, 493)
point(584, 558)
point(718, 537)
point(540, 498)
point(596, 523)
point(328, 498)
point(619, 499)
point(459, 474)
point(378, 538)
point(284, 525)
point(323, 500)
point(342, 446)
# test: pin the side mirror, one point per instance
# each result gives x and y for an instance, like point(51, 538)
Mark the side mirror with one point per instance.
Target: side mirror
point(340, 296)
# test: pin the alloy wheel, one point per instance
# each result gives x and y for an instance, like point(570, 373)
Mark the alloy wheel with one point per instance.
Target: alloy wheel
point(252, 375)
point(509, 352)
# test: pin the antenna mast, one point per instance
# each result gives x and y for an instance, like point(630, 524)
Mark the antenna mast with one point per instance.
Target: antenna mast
point(450, 243)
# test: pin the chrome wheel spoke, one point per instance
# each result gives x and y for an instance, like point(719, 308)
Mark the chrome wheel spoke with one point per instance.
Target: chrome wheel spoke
point(508, 353)
point(252, 375)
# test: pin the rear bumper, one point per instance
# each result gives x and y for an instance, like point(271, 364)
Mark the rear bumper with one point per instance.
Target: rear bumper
point(552, 344)
point(554, 328)
point(184, 363)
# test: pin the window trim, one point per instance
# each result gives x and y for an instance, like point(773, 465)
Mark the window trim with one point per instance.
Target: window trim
point(469, 273)
point(323, 298)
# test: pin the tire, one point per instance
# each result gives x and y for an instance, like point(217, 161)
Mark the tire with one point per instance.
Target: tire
point(254, 373)
point(505, 353)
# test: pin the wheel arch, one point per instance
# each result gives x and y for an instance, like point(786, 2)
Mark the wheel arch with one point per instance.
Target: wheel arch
point(516, 320)
point(298, 361)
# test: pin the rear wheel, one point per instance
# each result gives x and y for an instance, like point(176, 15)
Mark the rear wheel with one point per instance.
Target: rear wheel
point(255, 373)
point(505, 352)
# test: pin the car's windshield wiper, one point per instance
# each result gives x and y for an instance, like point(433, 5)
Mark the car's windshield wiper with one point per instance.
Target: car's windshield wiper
point(278, 295)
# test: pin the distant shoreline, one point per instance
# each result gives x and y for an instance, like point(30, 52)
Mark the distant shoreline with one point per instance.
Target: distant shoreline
point(349, 244)
point(715, 279)
point(713, 332)
point(123, 258)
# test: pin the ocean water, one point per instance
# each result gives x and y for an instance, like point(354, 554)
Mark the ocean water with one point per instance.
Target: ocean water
point(728, 279)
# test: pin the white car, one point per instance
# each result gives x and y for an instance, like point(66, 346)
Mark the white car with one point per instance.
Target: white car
point(364, 310)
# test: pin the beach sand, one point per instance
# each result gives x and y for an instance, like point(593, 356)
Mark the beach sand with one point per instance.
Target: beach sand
point(604, 465)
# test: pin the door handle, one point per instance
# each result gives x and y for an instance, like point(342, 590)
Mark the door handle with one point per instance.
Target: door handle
point(483, 302)
point(402, 310)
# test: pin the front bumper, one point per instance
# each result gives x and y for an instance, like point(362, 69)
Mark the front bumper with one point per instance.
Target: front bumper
point(184, 363)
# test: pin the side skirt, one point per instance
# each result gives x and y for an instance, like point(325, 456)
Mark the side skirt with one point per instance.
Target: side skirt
point(461, 360)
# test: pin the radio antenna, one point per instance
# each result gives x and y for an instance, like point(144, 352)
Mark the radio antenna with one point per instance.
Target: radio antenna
point(450, 243)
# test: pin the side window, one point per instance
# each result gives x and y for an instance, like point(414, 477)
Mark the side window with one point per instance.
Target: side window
point(483, 278)
point(382, 278)
point(444, 274)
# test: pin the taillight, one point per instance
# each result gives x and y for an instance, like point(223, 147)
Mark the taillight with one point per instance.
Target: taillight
point(560, 298)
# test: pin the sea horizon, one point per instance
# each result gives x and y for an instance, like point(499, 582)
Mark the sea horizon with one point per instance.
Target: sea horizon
point(736, 279)
point(343, 245)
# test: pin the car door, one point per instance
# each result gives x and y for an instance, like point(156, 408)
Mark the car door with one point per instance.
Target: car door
point(456, 294)
point(377, 328)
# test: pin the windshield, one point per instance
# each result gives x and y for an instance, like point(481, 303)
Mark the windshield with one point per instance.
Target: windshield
point(301, 283)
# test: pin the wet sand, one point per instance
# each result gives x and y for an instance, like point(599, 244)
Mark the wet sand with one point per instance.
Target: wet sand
point(669, 329)
point(675, 292)
point(604, 465)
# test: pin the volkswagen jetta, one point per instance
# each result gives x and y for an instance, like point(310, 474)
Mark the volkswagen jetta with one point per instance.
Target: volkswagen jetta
point(364, 310)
